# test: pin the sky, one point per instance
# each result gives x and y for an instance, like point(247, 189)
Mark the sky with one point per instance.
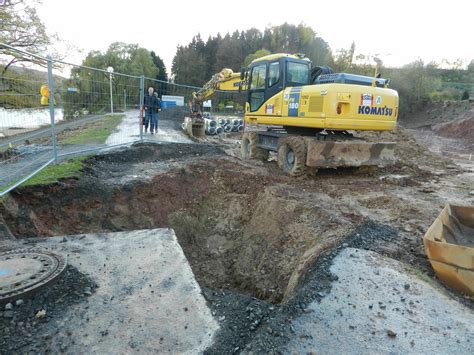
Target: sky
point(398, 32)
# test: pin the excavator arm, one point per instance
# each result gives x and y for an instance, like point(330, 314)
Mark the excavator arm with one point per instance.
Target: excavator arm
point(225, 80)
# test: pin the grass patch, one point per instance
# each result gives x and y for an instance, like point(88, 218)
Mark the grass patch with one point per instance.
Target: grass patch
point(53, 173)
point(96, 133)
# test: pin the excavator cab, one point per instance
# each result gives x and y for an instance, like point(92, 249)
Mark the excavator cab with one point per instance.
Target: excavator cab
point(271, 74)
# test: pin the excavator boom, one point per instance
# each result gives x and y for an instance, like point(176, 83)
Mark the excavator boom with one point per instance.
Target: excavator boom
point(225, 80)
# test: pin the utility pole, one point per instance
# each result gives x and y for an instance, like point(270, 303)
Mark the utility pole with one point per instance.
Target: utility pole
point(111, 70)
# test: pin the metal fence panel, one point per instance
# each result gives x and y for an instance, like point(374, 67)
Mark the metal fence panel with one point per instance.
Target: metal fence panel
point(100, 108)
point(25, 125)
point(86, 110)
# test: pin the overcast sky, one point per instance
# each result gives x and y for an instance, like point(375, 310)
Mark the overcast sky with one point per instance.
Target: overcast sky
point(399, 31)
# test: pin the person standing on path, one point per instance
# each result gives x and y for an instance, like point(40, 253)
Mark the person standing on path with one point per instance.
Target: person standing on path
point(151, 106)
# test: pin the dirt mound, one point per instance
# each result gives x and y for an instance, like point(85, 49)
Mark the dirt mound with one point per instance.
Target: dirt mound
point(463, 128)
point(436, 113)
point(149, 152)
point(412, 157)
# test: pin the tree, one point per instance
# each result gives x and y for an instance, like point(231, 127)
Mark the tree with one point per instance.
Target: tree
point(233, 50)
point(162, 74)
point(93, 86)
point(415, 83)
point(344, 58)
point(230, 53)
point(189, 66)
point(470, 66)
point(22, 28)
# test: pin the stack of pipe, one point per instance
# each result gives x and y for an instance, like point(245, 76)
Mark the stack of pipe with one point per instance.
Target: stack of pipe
point(216, 126)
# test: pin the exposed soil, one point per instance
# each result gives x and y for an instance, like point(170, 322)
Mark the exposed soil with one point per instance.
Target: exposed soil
point(243, 226)
point(438, 113)
point(463, 129)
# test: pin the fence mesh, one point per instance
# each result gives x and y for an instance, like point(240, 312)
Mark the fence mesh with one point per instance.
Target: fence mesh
point(100, 109)
point(93, 109)
point(25, 125)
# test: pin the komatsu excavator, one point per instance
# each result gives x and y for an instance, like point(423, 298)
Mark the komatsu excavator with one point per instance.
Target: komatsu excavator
point(305, 113)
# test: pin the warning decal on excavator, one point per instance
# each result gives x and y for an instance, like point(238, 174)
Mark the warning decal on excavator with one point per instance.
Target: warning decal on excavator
point(294, 102)
point(366, 100)
point(269, 109)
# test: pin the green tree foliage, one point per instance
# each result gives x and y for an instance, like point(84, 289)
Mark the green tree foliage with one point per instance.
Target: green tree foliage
point(415, 83)
point(343, 59)
point(470, 67)
point(189, 64)
point(124, 58)
point(92, 93)
point(21, 27)
point(162, 74)
point(195, 63)
point(230, 52)
point(161, 87)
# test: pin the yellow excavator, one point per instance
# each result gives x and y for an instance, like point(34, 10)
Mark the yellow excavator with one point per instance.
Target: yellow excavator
point(306, 113)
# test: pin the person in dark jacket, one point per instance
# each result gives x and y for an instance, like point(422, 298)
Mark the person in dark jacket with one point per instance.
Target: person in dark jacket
point(151, 105)
point(157, 112)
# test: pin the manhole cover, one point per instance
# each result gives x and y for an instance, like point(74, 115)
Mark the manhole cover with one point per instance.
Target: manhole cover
point(25, 271)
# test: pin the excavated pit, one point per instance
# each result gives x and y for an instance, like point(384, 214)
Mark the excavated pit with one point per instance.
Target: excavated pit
point(240, 228)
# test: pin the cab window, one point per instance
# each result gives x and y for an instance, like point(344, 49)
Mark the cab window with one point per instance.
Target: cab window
point(257, 98)
point(273, 74)
point(259, 76)
point(297, 73)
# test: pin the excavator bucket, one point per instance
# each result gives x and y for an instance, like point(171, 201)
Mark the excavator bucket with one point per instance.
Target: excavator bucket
point(449, 245)
point(322, 154)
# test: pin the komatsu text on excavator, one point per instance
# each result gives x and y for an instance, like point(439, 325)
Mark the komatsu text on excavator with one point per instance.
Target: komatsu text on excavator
point(306, 113)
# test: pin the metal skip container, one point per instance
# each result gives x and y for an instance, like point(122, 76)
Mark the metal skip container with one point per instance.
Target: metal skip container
point(449, 245)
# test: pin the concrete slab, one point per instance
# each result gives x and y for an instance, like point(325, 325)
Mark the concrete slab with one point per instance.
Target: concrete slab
point(378, 306)
point(148, 300)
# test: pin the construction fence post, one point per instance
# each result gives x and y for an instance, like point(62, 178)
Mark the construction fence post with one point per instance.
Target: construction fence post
point(140, 105)
point(51, 108)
